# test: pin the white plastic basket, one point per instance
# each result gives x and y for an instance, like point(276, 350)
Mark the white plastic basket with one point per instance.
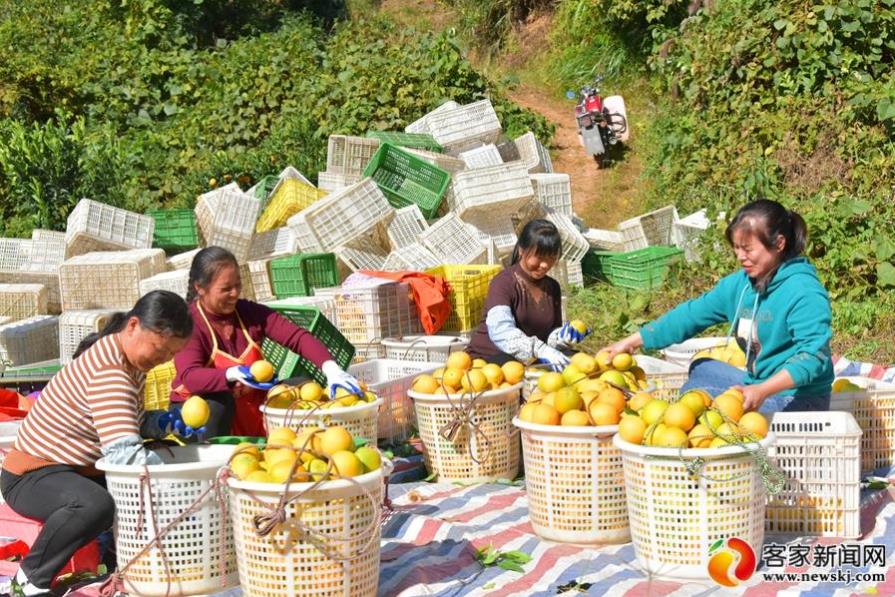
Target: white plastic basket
point(389, 380)
point(199, 549)
point(181, 260)
point(367, 351)
point(676, 516)
point(349, 155)
point(406, 226)
point(259, 279)
point(360, 420)
point(434, 349)
point(553, 191)
point(481, 157)
point(530, 210)
point(272, 243)
point(20, 301)
point(819, 452)
point(649, 230)
point(681, 354)
point(686, 233)
point(470, 457)
point(286, 563)
point(444, 161)
point(451, 240)
point(363, 253)
point(22, 255)
point(74, 326)
point(497, 228)
point(414, 258)
point(107, 280)
point(95, 226)
point(48, 235)
point(334, 181)
point(372, 312)
point(483, 192)
point(342, 217)
point(326, 305)
point(668, 378)
point(574, 482)
point(574, 245)
point(421, 125)
point(604, 240)
point(226, 218)
point(176, 282)
point(874, 409)
point(465, 124)
point(30, 340)
point(533, 154)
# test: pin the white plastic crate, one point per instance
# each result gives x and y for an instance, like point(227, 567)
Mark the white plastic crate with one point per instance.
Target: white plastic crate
point(389, 380)
point(259, 279)
point(74, 326)
point(483, 192)
point(342, 217)
point(681, 354)
point(668, 378)
point(481, 157)
point(530, 210)
point(372, 312)
point(533, 154)
point(820, 455)
point(574, 245)
point(48, 235)
point(367, 351)
point(226, 218)
point(686, 233)
point(574, 274)
point(446, 162)
point(107, 280)
point(181, 260)
point(22, 255)
point(465, 124)
point(553, 191)
point(30, 340)
point(272, 243)
point(422, 124)
point(363, 253)
point(873, 407)
point(333, 181)
point(453, 241)
point(50, 280)
point(412, 258)
point(499, 229)
point(406, 227)
point(95, 226)
point(350, 155)
point(649, 230)
point(21, 301)
point(604, 240)
point(436, 348)
point(176, 281)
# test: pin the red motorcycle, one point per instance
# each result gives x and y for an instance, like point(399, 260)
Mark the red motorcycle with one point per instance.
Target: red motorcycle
point(602, 123)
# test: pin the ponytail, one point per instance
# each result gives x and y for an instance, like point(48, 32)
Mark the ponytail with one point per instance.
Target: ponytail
point(768, 220)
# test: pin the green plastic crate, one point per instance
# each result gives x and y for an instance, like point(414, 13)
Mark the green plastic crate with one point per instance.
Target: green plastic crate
point(299, 275)
point(36, 373)
point(643, 269)
point(264, 188)
point(411, 140)
point(287, 363)
point(407, 179)
point(175, 230)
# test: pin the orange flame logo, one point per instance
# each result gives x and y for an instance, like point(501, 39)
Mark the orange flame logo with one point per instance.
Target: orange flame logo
point(731, 562)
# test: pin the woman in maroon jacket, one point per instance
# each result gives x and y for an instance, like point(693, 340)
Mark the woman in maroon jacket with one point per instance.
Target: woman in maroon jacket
point(226, 340)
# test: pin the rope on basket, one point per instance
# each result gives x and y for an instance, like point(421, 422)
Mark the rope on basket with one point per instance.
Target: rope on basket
point(464, 415)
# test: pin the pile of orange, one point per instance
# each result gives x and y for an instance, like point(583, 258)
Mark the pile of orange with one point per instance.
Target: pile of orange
point(461, 374)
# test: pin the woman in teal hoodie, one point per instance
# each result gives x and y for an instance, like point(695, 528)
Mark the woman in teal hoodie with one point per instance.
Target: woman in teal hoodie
point(776, 307)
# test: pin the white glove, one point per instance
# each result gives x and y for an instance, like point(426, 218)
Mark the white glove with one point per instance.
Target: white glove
point(336, 378)
point(552, 357)
point(566, 337)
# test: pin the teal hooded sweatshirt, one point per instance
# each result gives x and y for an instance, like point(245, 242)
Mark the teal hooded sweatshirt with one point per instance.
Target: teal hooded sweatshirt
point(793, 328)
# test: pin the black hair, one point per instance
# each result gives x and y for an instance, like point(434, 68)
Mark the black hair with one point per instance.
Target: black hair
point(206, 265)
point(540, 235)
point(767, 220)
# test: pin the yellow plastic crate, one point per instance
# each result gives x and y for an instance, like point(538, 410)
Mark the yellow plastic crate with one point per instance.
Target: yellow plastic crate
point(287, 199)
point(468, 290)
point(157, 391)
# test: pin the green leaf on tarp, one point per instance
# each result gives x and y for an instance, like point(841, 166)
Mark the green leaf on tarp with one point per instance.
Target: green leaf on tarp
point(510, 565)
point(518, 556)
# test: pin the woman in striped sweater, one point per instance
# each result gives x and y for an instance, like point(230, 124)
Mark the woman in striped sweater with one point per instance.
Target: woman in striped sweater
point(93, 408)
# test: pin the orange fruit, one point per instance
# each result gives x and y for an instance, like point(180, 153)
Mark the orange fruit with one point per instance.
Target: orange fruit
point(478, 363)
point(655, 436)
point(754, 424)
point(639, 400)
point(674, 437)
point(335, 439)
point(728, 406)
point(425, 384)
point(567, 399)
point(694, 400)
point(735, 393)
point(680, 416)
point(575, 418)
point(526, 413)
point(604, 361)
point(603, 414)
point(474, 380)
point(551, 381)
point(493, 373)
point(544, 414)
point(653, 411)
point(513, 371)
point(453, 377)
point(622, 361)
point(632, 429)
point(347, 464)
point(311, 391)
point(700, 436)
point(262, 370)
point(711, 419)
point(613, 397)
point(459, 360)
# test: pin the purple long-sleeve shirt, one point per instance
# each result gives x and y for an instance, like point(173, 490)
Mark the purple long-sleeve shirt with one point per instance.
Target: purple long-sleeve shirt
point(193, 370)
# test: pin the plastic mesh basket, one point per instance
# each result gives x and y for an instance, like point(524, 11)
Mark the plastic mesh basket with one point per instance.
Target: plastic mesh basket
point(285, 563)
point(181, 261)
point(533, 154)
point(483, 192)
point(574, 481)
point(574, 245)
point(349, 155)
point(481, 157)
point(333, 181)
point(368, 313)
point(553, 191)
point(498, 229)
point(411, 140)
point(157, 391)
point(819, 452)
point(650, 229)
point(643, 269)
point(259, 280)
point(468, 290)
point(453, 241)
point(364, 253)
point(605, 240)
point(265, 187)
point(30, 340)
point(175, 230)
point(107, 280)
point(176, 282)
point(20, 301)
point(289, 197)
point(407, 180)
point(668, 378)
point(465, 124)
point(390, 380)
point(272, 243)
point(874, 409)
point(325, 305)
point(360, 420)
point(74, 326)
point(676, 516)
point(199, 549)
point(422, 124)
point(406, 227)
point(226, 217)
point(95, 226)
point(470, 457)
point(299, 275)
point(448, 163)
point(434, 349)
point(412, 258)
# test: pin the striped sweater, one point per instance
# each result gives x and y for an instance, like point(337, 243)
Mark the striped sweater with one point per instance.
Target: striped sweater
point(93, 402)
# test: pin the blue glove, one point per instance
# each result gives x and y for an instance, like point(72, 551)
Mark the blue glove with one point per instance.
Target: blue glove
point(566, 337)
point(243, 375)
point(556, 360)
point(171, 422)
point(336, 378)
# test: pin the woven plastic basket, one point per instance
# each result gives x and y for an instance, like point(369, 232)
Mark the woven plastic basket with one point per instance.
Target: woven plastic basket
point(482, 456)
point(406, 226)
point(408, 140)
point(686, 232)
point(468, 290)
point(422, 124)
point(264, 188)
point(226, 217)
point(158, 387)
point(819, 453)
point(286, 563)
point(465, 124)
point(676, 516)
point(390, 380)
point(299, 275)
point(95, 226)
point(176, 282)
point(175, 229)
point(199, 549)
point(874, 409)
point(487, 191)
point(107, 280)
point(453, 241)
point(649, 230)
point(324, 305)
point(481, 157)
point(534, 155)
point(29, 340)
point(349, 155)
point(408, 180)
point(259, 280)
point(74, 326)
point(368, 313)
point(574, 481)
point(498, 229)
point(360, 420)
point(434, 349)
point(553, 191)
point(681, 354)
